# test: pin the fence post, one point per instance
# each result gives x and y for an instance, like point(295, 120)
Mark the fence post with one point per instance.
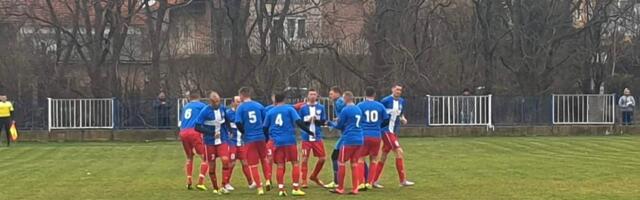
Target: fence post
point(490, 111)
point(49, 115)
point(553, 109)
point(428, 110)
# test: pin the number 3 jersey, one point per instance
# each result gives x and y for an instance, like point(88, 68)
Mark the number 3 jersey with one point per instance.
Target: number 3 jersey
point(281, 123)
point(189, 113)
point(349, 122)
point(374, 114)
point(251, 114)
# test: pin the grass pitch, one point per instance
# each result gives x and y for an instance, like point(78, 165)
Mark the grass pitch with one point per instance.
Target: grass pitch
point(443, 168)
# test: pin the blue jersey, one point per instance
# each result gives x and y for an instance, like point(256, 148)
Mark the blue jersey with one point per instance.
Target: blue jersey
point(189, 113)
point(338, 105)
point(307, 112)
point(251, 114)
point(215, 119)
point(235, 135)
point(374, 114)
point(269, 107)
point(395, 110)
point(281, 123)
point(349, 122)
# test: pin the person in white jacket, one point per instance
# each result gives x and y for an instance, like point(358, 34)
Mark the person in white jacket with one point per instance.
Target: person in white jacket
point(627, 104)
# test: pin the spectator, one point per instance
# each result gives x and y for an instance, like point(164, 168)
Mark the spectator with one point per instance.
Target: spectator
point(162, 110)
point(6, 112)
point(627, 103)
point(467, 106)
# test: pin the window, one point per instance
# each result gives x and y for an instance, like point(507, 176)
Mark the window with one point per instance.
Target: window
point(291, 28)
point(302, 28)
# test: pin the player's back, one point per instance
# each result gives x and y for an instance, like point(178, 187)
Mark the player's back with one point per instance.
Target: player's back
point(250, 115)
point(349, 122)
point(374, 114)
point(189, 113)
point(281, 122)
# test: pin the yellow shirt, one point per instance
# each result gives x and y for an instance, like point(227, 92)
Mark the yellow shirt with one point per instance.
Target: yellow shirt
point(5, 109)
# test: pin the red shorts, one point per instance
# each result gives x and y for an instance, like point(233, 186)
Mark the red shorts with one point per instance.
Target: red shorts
point(191, 139)
point(350, 153)
point(270, 148)
point(371, 146)
point(317, 147)
point(216, 151)
point(285, 154)
point(390, 142)
point(256, 151)
point(237, 152)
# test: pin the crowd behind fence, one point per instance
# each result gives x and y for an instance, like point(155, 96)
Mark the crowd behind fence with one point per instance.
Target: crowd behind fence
point(135, 113)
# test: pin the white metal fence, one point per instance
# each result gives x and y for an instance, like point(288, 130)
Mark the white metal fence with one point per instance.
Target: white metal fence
point(80, 113)
point(459, 110)
point(583, 109)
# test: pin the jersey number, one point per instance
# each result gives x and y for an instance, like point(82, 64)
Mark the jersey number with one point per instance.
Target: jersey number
point(358, 121)
point(187, 114)
point(279, 120)
point(372, 116)
point(252, 117)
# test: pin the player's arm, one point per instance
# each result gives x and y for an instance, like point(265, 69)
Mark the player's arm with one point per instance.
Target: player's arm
point(238, 121)
point(300, 123)
point(200, 126)
point(265, 127)
point(341, 121)
point(10, 111)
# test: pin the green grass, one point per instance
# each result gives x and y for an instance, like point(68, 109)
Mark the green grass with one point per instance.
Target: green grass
point(443, 168)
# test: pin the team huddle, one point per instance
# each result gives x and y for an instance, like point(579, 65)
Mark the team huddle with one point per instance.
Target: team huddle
point(256, 135)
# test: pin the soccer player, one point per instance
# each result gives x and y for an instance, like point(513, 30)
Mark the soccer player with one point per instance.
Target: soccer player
point(314, 116)
point(212, 123)
point(352, 141)
point(248, 119)
point(237, 149)
point(191, 139)
point(280, 123)
point(394, 105)
point(375, 117)
point(335, 93)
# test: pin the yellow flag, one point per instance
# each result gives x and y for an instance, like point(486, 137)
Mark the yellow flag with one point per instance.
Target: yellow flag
point(13, 131)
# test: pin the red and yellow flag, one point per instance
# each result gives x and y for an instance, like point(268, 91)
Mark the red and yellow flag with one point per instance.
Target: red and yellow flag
point(13, 131)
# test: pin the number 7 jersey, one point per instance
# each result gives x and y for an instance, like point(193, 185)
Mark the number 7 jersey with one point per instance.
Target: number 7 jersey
point(349, 122)
point(189, 113)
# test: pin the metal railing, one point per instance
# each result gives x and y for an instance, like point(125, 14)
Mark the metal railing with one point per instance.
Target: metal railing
point(570, 109)
point(80, 113)
point(459, 110)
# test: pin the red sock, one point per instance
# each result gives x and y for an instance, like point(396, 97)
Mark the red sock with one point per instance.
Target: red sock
point(232, 165)
point(379, 172)
point(280, 176)
point(304, 170)
point(295, 177)
point(247, 173)
point(256, 175)
point(372, 172)
point(400, 168)
point(188, 170)
point(341, 171)
point(226, 172)
point(212, 175)
point(317, 169)
point(361, 173)
point(267, 168)
point(355, 175)
point(204, 169)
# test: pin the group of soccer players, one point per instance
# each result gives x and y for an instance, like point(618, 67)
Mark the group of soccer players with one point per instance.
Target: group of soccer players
point(252, 134)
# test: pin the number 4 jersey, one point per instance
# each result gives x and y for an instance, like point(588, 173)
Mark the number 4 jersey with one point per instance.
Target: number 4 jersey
point(281, 123)
point(189, 114)
point(349, 122)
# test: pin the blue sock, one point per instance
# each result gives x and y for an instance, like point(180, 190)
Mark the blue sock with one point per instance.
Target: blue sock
point(366, 172)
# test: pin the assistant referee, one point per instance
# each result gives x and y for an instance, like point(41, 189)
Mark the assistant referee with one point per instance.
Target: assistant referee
point(6, 111)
